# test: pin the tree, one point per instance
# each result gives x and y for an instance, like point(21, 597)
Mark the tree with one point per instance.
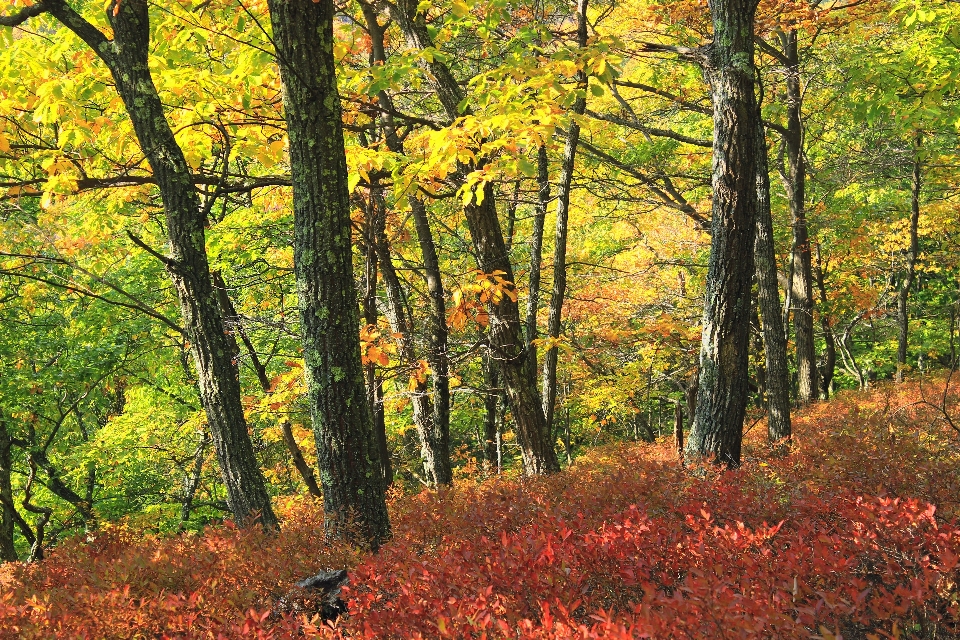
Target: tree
point(721, 400)
point(353, 485)
point(506, 339)
point(126, 56)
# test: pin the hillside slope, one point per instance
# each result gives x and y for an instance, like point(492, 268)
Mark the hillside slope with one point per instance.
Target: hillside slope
point(853, 533)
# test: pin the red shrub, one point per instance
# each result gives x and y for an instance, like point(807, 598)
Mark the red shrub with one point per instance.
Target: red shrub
point(624, 545)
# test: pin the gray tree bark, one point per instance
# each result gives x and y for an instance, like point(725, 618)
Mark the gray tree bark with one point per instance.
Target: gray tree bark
point(505, 332)
point(913, 252)
point(434, 441)
point(807, 375)
point(774, 342)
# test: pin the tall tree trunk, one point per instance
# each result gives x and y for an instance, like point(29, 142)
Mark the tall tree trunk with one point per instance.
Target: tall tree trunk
point(491, 383)
point(721, 401)
point(774, 343)
point(550, 356)
point(536, 250)
point(127, 58)
point(438, 357)
point(437, 326)
point(7, 517)
point(807, 377)
point(434, 443)
point(913, 252)
point(374, 219)
point(505, 330)
point(829, 357)
point(349, 459)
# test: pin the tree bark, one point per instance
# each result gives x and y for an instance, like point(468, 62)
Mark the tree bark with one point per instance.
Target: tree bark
point(353, 485)
point(126, 56)
point(491, 383)
point(434, 442)
point(678, 430)
point(774, 344)
point(8, 551)
point(438, 356)
point(536, 250)
point(807, 376)
point(550, 356)
point(829, 357)
point(373, 220)
point(722, 397)
point(913, 252)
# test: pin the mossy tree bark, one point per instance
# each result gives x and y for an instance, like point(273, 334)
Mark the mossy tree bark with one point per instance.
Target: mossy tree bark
point(721, 401)
point(347, 452)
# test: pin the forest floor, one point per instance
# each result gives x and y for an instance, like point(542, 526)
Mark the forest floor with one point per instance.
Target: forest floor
point(852, 533)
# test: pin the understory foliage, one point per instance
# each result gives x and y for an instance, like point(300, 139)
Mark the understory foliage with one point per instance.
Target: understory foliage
point(851, 533)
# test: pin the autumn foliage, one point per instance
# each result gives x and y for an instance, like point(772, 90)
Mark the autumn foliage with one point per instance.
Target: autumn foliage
point(852, 533)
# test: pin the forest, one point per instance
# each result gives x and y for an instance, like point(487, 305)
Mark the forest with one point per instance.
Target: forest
point(584, 319)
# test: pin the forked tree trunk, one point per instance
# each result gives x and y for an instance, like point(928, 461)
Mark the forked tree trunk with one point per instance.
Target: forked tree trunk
point(127, 58)
point(774, 343)
point(437, 318)
point(437, 325)
point(721, 402)
point(347, 452)
point(434, 441)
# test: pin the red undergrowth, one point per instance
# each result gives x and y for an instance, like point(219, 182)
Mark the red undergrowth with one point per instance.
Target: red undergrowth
point(851, 534)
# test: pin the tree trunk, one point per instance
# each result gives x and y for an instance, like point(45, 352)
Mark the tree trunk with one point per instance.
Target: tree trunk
point(491, 433)
point(505, 330)
point(127, 58)
point(774, 344)
point(434, 442)
point(536, 250)
point(374, 219)
point(550, 356)
point(8, 552)
point(678, 430)
point(807, 389)
point(830, 348)
point(437, 326)
point(438, 357)
point(232, 318)
point(903, 317)
point(722, 397)
point(349, 459)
